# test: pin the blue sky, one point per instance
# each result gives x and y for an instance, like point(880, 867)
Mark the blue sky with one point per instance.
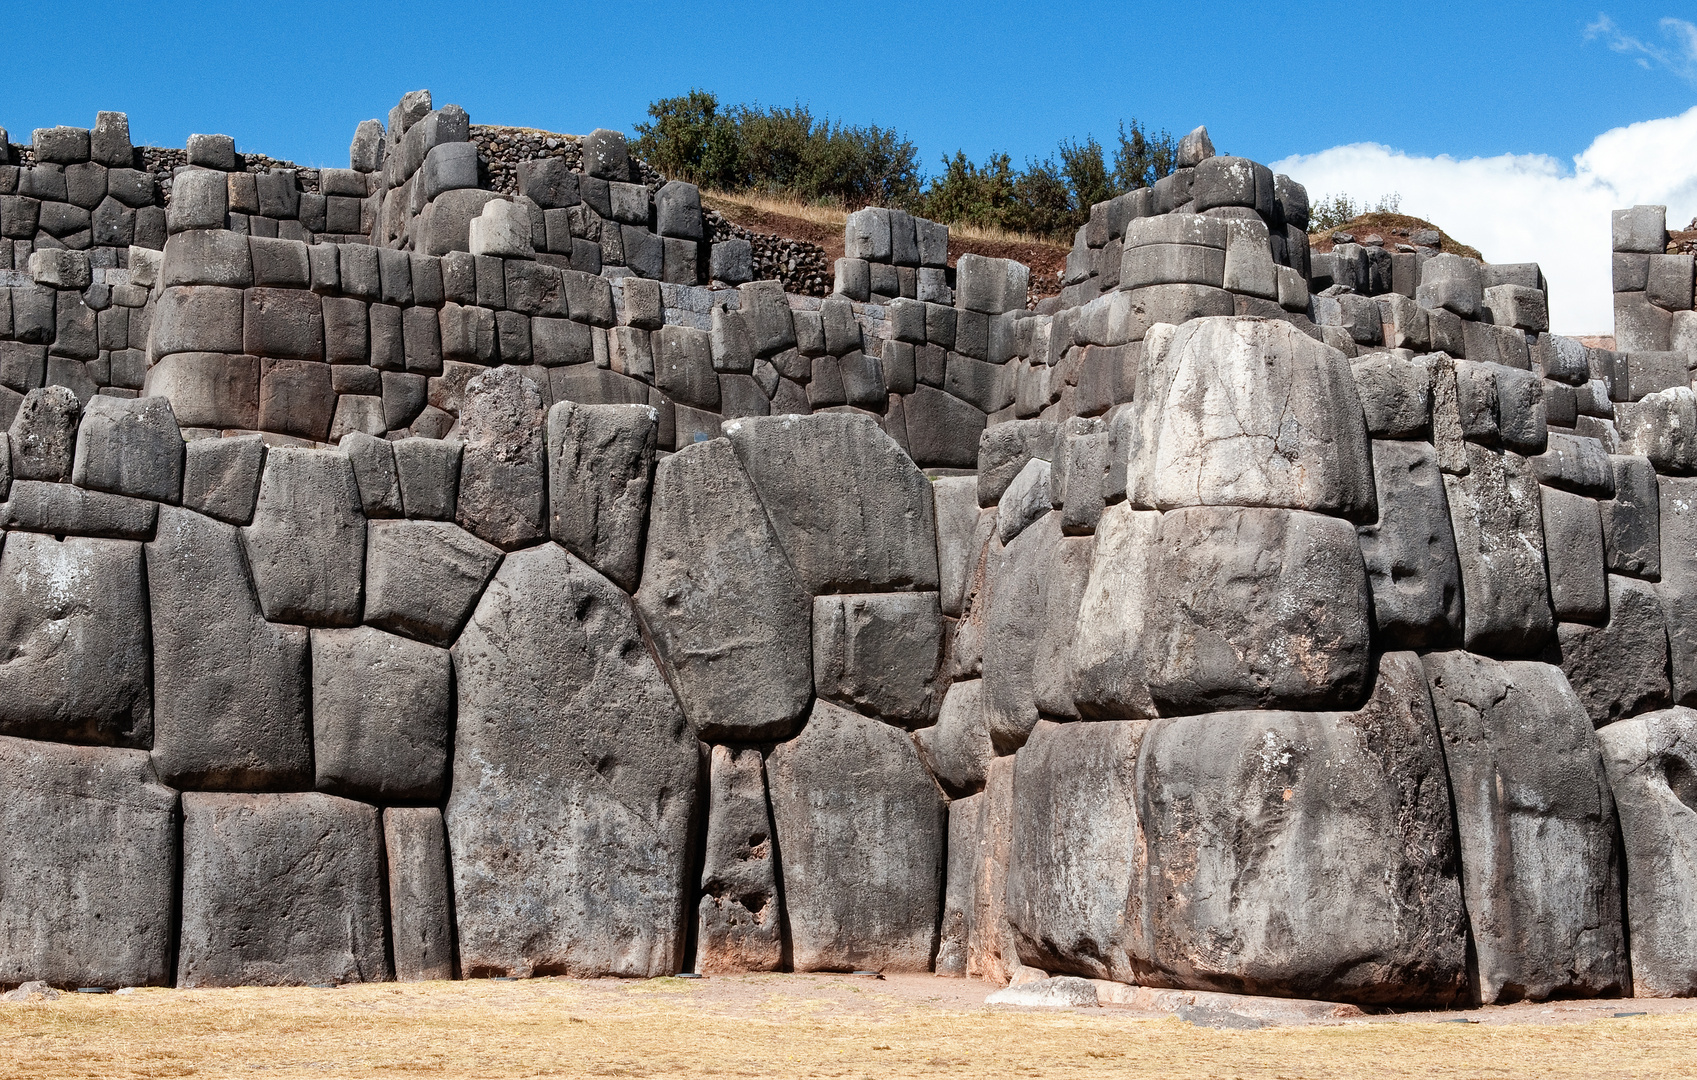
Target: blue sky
point(1269, 80)
point(1497, 101)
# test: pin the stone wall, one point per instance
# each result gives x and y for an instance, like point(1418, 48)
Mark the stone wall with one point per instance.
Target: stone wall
point(433, 592)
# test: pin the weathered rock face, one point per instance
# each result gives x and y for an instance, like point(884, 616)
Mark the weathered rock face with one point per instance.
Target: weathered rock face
point(306, 545)
point(503, 493)
point(1323, 840)
point(1256, 413)
point(381, 710)
point(730, 618)
point(1540, 867)
point(574, 782)
point(231, 689)
point(1110, 678)
point(861, 829)
point(1257, 609)
point(1677, 589)
point(281, 890)
point(878, 652)
point(1620, 668)
point(1651, 761)
point(600, 460)
point(88, 872)
point(415, 846)
point(422, 578)
point(741, 921)
point(74, 646)
point(958, 748)
point(1033, 608)
point(1410, 550)
point(1496, 513)
point(851, 509)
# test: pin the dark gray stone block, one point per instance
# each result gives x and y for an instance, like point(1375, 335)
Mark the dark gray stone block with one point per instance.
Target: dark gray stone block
point(306, 545)
point(878, 652)
point(415, 846)
point(131, 447)
point(1410, 551)
point(423, 578)
point(1496, 515)
point(428, 471)
point(740, 917)
point(600, 462)
point(221, 477)
point(44, 434)
point(503, 493)
point(381, 710)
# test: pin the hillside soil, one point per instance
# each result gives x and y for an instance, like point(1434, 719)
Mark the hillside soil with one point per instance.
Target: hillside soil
point(795, 1025)
point(1394, 229)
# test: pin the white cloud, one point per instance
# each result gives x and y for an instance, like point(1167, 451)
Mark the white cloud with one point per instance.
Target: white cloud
point(1681, 58)
point(1530, 207)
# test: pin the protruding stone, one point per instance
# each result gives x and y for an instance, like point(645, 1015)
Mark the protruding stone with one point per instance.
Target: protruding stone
point(600, 462)
point(1110, 678)
point(306, 545)
point(1497, 517)
point(741, 918)
point(423, 578)
point(1410, 551)
point(281, 890)
point(958, 747)
point(429, 474)
point(503, 494)
point(729, 616)
point(415, 846)
point(221, 477)
point(130, 447)
point(574, 782)
point(381, 710)
point(44, 434)
point(1033, 611)
point(1621, 667)
point(861, 833)
point(878, 652)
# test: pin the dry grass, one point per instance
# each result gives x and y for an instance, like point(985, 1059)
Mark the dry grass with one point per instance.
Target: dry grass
point(764, 1026)
point(836, 217)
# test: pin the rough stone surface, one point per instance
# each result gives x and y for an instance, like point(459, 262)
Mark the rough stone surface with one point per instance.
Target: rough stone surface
point(741, 923)
point(1497, 516)
point(421, 922)
point(130, 447)
point(1651, 762)
point(503, 492)
point(1033, 610)
point(1540, 867)
point(600, 464)
point(88, 874)
point(1619, 668)
point(281, 890)
point(957, 748)
point(852, 511)
point(75, 657)
point(44, 434)
point(1110, 679)
point(230, 689)
point(730, 619)
point(861, 830)
point(381, 710)
point(878, 652)
point(1410, 551)
point(574, 782)
point(221, 477)
point(306, 545)
point(422, 578)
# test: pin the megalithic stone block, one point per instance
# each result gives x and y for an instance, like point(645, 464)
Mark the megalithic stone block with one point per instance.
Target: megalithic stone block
point(281, 890)
point(503, 494)
point(600, 465)
point(1540, 865)
point(422, 578)
point(231, 690)
point(567, 736)
point(741, 917)
point(1497, 518)
point(1621, 667)
point(306, 545)
point(1410, 551)
point(728, 615)
point(415, 846)
point(1033, 610)
point(44, 434)
point(1110, 679)
point(88, 873)
point(879, 652)
point(130, 447)
point(382, 708)
point(861, 829)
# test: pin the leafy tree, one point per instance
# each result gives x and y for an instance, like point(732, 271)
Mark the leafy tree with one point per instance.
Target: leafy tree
point(691, 139)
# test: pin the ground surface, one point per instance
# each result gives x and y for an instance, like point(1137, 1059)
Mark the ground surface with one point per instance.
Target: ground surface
point(792, 1025)
point(1394, 229)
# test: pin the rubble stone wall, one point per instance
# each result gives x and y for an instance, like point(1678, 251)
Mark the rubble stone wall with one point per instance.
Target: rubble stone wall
point(403, 587)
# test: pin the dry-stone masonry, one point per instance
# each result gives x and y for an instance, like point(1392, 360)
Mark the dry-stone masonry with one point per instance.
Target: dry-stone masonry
point(476, 562)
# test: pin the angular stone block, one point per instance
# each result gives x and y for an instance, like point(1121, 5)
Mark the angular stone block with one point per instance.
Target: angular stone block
point(957, 748)
point(381, 710)
point(231, 690)
point(600, 462)
point(740, 915)
point(1540, 868)
point(1632, 519)
point(65, 510)
point(1497, 517)
point(1109, 675)
point(428, 471)
point(1257, 608)
point(1033, 609)
point(730, 618)
point(1573, 550)
point(281, 890)
point(1620, 668)
point(43, 434)
point(878, 652)
point(1410, 551)
point(861, 828)
point(567, 736)
point(209, 390)
point(503, 490)
point(852, 510)
point(75, 656)
point(423, 578)
point(306, 545)
point(130, 447)
point(415, 846)
point(88, 875)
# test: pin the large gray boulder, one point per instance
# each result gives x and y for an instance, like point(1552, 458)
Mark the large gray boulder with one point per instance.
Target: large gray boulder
point(1109, 677)
point(574, 782)
point(730, 618)
point(381, 710)
point(422, 578)
point(230, 689)
point(75, 657)
point(415, 847)
point(503, 493)
point(307, 541)
point(1620, 668)
point(221, 477)
point(957, 748)
point(1257, 413)
point(1076, 866)
point(130, 447)
point(861, 829)
point(1677, 588)
point(1257, 608)
point(1540, 866)
point(600, 463)
point(1651, 762)
point(1573, 556)
point(1410, 550)
point(851, 509)
point(44, 434)
point(1324, 841)
point(954, 507)
point(1497, 517)
point(281, 890)
point(878, 652)
point(88, 873)
point(741, 916)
